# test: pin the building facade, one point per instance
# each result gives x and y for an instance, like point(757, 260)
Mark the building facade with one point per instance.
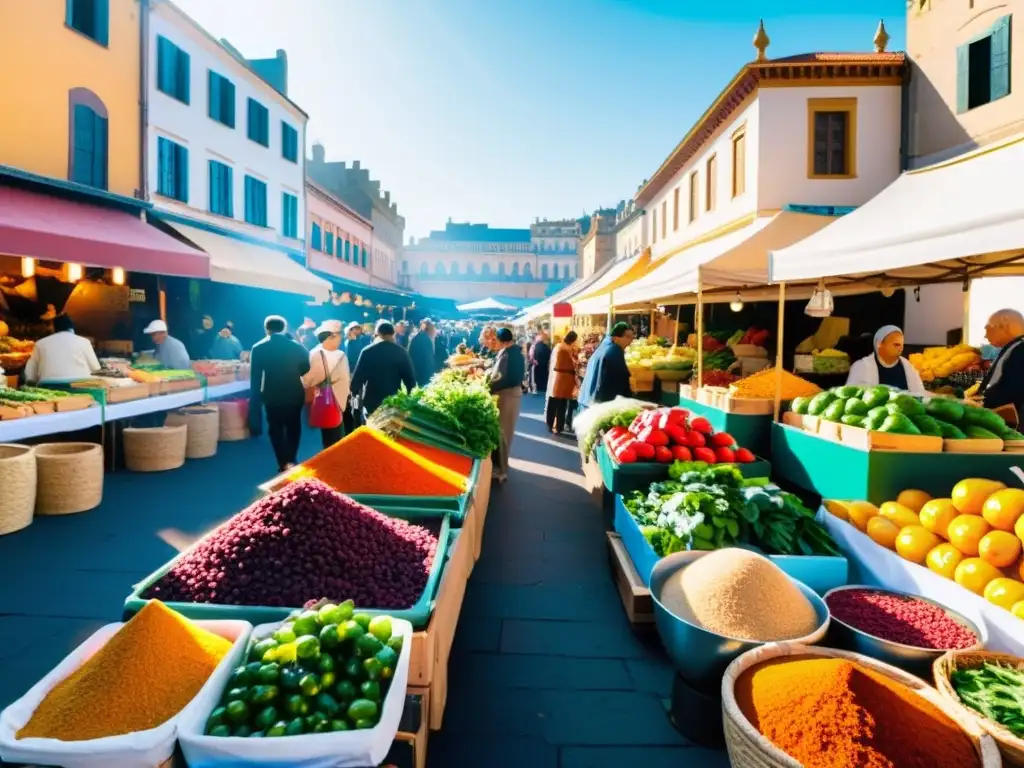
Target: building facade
point(337, 238)
point(629, 230)
point(597, 246)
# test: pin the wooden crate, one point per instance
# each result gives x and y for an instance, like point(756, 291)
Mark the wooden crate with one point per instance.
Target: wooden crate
point(221, 378)
point(479, 504)
point(126, 394)
point(179, 385)
point(74, 403)
point(48, 407)
point(636, 598)
point(862, 439)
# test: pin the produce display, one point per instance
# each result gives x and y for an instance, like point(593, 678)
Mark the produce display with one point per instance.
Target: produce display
point(995, 691)
point(305, 542)
point(322, 671)
point(834, 713)
point(665, 435)
point(900, 619)
point(456, 462)
point(143, 676)
point(715, 378)
point(762, 385)
point(596, 419)
point(719, 360)
point(30, 401)
point(14, 353)
point(938, 363)
point(753, 336)
point(831, 361)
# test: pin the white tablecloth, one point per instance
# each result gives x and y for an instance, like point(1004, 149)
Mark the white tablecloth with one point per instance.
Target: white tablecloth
point(49, 424)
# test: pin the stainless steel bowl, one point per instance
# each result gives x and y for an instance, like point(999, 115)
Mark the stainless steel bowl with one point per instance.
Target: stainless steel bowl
point(699, 654)
point(908, 657)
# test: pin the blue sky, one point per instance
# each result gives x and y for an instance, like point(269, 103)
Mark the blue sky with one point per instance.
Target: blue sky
point(498, 111)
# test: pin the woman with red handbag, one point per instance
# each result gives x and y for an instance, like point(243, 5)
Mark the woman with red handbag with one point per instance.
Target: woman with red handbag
point(327, 383)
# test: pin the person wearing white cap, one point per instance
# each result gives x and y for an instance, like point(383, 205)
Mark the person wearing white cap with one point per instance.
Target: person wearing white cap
point(170, 352)
point(327, 362)
point(886, 365)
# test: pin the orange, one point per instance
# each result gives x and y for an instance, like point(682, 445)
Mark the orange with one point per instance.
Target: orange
point(969, 495)
point(975, 574)
point(999, 548)
point(914, 543)
point(944, 559)
point(1018, 610)
point(937, 514)
point(1004, 592)
point(965, 532)
point(860, 512)
point(900, 515)
point(912, 499)
point(838, 509)
point(883, 531)
point(1019, 528)
point(1004, 508)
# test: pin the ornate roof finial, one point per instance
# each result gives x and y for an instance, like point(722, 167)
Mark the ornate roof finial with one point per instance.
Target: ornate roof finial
point(761, 42)
point(881, 37)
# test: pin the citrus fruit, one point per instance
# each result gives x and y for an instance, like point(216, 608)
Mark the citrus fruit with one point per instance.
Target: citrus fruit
point(974, 574)
point(837, 509)
point(944, 559)
point(860, 512)
point(999, 548)
point(883, 531)
point(914, 543)
point(1004, 592)
point(1019, 528)
point(1018, 610)
point(969, 495)
point(965, 532)
point(937, 514)
point(913, 499)
point(1004, 508)
point(900, 515)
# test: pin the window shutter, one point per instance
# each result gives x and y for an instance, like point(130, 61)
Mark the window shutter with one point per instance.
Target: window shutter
point(181, 173)
point(81, 151)
point(99, 156)
point(962, 76)
point(163, 65)
point(213, 185)
point(213, 95)
point(69, 13)
point(102, 20)
point(183, 76)
point(228, 190)
point(228, 102)
point(248, 198)
point(250, 121)
point(1000, 79)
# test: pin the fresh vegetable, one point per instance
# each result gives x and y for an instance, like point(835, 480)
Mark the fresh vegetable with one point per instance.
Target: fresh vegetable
point(655, 435)
point(596, 419)
point(995, 691)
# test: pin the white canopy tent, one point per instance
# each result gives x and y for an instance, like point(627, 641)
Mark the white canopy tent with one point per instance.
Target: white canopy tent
point(578, 288)
point(595, 299)
point(486, 305)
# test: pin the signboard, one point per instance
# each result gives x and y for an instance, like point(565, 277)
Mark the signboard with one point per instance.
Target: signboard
point(561, 309)
point(137, 295)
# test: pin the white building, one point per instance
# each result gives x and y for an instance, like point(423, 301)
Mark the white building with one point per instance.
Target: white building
point(225, 159)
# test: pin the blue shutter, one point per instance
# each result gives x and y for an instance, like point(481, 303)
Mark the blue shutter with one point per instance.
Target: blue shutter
point(81, 151)
point(213, 96)
point(315, 237)
point(163, 65)
point(228, 190)
point(228, 102)
point(69, 13)
point(248, 199)
point(181, 173)
point(213, 186)
point(183, 72)
point(963, 70)
point(999, 84)
point(250, 122)
point(99, 156)
point(101, 22)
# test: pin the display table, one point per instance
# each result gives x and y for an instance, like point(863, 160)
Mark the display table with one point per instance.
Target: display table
point(832, 470)
point(753, 432)
point(50, 424)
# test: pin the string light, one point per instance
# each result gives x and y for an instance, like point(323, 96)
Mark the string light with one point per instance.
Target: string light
point(736, 305)
point(28, 266)
point(117, 276)
point(74, 273)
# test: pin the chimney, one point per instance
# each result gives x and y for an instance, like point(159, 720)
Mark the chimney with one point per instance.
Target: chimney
point(319, 154)
point(387, 198)
point(282, 57)
point(356, 165)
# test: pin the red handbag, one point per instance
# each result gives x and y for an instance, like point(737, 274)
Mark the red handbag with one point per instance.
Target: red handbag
point(324, 411)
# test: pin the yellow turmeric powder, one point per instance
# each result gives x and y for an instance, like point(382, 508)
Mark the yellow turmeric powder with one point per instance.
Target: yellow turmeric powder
point(762, 385)
point(145, 674)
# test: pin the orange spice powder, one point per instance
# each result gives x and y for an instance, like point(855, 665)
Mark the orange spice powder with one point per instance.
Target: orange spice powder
point(456, 462)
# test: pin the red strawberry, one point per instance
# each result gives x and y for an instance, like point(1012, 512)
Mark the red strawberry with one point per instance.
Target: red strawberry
point(676, 433)
point(663, 455)
point(704, 454)
point(744, 456)
point(644, 451)
point(625, 456)
point(695, 439)
point(722, 440)
point(725, 455)
point(700, 424)
point(681, 453)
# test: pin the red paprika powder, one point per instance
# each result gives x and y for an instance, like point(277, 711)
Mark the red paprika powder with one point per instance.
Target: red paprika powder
point(456, 462)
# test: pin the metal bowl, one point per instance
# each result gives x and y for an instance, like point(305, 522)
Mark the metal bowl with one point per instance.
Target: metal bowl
point(907, 657)
point(699, 654)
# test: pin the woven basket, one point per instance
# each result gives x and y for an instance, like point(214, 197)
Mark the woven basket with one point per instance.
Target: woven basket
point(1011, 747)
point(234, 420)
point(17, 487)
point(203, 430)
point(69, 477)
point(155, 449)
point(749, 749)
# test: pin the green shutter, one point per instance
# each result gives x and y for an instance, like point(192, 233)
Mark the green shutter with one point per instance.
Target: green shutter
point(963, 71)
point(69, 13)
point(99, 152)
point(102, 20)
point(81, 151)
point(1000, 79)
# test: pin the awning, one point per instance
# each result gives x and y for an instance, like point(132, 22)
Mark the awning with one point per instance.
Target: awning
point(56, 229)
point(240, 263)
point(578, 288)
point(950, 221)
point(485, 305)
point(377, 295)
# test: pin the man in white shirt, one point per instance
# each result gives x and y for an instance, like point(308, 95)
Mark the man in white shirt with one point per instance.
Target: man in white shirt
point(62, 356)
point(170, 352)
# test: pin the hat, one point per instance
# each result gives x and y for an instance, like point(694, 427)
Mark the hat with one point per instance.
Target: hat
point(157, 326)
point(352, 326)
point(504, 335)
point(328, 326)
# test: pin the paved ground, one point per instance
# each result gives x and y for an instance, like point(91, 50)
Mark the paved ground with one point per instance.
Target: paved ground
point(545, 671)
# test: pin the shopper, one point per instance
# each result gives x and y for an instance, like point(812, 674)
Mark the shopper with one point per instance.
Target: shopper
point(170, 352)
point(355, 342)
point(382, 370)
point(62, 356)
point(203, 339)
point(563, 384)
point(886, 364)
point(607, 375)
point(226, 346)
point(440, 352)
point(540, 363)
point(1003, 385)
point(507, 383)
point(328, 363)
point(402, 334)
point(421, 350)
point(275, 384)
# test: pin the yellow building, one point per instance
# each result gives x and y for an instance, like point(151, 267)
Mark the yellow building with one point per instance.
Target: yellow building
point(69, 96)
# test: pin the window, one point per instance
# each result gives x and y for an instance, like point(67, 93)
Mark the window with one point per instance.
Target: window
point(172, 70)
point(87, 145)
point(289, 143)
point(711, 183)
point(739, 161)
point(90, 17)
point(255, 201)
point(675, 209)
point(664, 218)
point(221, 99)
point(222, 190)
point(694, 196)
point(314, 237)
point(348, 251)
point(259, 123)
point(364, 255)
point(328, 241)
point(171, 170)
point(289, 215)
point(983, 67)
point(832, 138)
point(654, 226)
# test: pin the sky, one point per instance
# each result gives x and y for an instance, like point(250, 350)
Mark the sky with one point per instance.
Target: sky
point(500, 111)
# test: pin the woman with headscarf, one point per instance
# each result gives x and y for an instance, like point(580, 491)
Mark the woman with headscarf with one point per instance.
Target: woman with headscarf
point(886, 365)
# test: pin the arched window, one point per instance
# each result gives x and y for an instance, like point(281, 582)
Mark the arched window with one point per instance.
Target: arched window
point(544, 271)
point(87, 138)
point(424, 270)
point(439, 268)
point(455, 268)
point(485, 270)
point(501, 269)
point(527, 271)
point(470, 268)
point(515, 269)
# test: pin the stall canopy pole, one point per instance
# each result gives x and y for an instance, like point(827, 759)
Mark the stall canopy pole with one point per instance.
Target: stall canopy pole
point(675, 339)
point(967, 313)
point(778, 350)
point(611, 310)
point(700, 331)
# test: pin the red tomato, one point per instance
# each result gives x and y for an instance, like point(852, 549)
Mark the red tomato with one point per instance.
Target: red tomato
point(678, 415)
point(725, 455)
point(676, 433)
point(700, 424)
point(722, 440)
point(625, 456)
point(644, 451)
point(705, 455)
point(744, 456)
point(616, 432)
point(655, 437)
point(663, 455)
point(681, 453)
point(695, 439)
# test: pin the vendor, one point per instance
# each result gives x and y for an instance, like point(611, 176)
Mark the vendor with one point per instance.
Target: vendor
point(887, 366)
point(1003, 385)
point(62, 356)
point(607, 375)
point(170, 352)
point(226, 346)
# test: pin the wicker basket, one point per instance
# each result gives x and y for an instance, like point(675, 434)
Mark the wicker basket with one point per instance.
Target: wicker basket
point(155, 449)
point(203, 430)
point(69, 477)
point(749, 749)
point(234, 420)
point(1011, 747)
point(17, 487)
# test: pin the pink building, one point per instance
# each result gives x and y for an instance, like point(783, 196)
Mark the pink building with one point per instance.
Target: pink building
point(339, 241)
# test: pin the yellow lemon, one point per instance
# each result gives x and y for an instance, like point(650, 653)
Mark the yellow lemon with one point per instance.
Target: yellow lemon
point(944, 559)
point(1019, 528)
point(1018, 610)
point(937, 514)
point(912, 499)
point(900, 515)
point(860, 512)
point(1004, 592)
point(975, 574)
point(914, 543)
point(883, 531)
point(970, 495)
point(837, 508)
point(1004, 508)
point(999, 548)
point(965, 532)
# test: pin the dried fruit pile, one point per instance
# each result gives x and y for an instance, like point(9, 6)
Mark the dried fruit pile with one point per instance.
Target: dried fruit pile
point(900, 619)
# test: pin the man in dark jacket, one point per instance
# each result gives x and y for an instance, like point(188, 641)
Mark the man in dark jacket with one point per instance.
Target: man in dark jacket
point(540, 363)
point(382, 369)
point(421, 350)
point(441, 350)
point(507, 383)
point(607, 374)
point(1003, 386)
point(275, 385)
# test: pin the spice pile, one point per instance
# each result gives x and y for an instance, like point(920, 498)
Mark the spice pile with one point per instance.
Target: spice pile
point(739, 594)
point(995, 691)
point(305, 542)
point(456, 462)
point(762, 385)
point(142, 677)
point(832, 713)
point(900, 619)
